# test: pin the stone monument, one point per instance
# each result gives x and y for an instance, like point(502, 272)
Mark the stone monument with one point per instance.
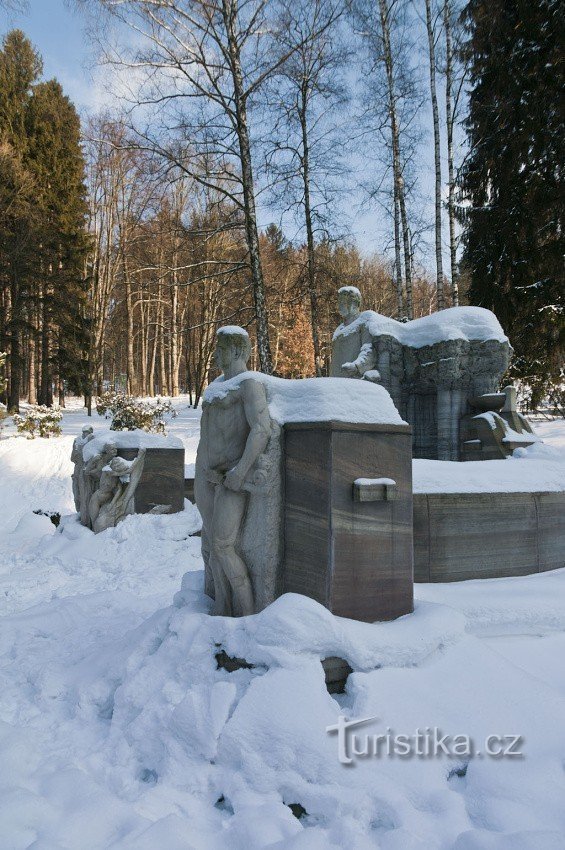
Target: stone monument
point(434, 368)
point(304, 486)
point(234, 434)
point(117, 473)
point(353, 355)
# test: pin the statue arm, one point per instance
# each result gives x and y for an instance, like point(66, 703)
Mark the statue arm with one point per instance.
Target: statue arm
point(135, 474)
point(259, 421)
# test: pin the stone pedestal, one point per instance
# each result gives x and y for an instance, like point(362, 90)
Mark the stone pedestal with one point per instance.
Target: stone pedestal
point(162, 480)
point(348, 517)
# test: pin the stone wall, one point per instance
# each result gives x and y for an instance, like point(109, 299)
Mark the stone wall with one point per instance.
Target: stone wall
point(460, 536)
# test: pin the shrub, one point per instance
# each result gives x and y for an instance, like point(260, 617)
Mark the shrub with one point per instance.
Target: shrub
point(39, 421)
point(129, 413)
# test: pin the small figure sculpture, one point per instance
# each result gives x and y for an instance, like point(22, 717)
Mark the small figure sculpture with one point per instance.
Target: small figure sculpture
point(78, 478)
point(112, 501)
point(235, 431)
point(92, 474)
point(353, 355)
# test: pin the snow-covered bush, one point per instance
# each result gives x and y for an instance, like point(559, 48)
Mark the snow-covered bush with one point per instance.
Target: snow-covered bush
point(128, 413)
point(39, 421)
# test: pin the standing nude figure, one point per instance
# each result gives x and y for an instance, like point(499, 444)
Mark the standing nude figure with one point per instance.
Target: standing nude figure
point(235, 430)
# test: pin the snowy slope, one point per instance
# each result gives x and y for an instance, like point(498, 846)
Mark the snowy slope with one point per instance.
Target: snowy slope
point(117, 730)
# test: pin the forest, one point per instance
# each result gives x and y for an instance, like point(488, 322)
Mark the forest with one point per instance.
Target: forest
point(221, 185)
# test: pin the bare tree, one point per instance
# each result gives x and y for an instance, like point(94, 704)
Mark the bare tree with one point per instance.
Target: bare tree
point(306, 155)
point(432, 37)
point(395, 101)
point(198, 67)
point(453, 89)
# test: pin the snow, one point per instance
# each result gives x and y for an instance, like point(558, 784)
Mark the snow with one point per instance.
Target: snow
point(466, 323)
point(351, 290)
point(317, 399)
point(531, 469)
point(232, 330)
point(137, 439)
point(117, 730)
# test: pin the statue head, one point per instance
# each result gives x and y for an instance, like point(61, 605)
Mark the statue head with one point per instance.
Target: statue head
point(348, 303)
point(109, 450)
point(119, 466)
point(233, 349)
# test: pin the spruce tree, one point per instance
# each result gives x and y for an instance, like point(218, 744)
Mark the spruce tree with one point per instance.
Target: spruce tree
point(512, 181)
point(20, 66)
point(57, 163)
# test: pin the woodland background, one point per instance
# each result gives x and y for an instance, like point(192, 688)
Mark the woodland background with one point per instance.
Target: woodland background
point(127, 237)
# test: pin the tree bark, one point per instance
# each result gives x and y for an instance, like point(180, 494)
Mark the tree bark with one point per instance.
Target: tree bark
point(230, 12)
point(311, 251)
point(437, 156)
point(399, 192)
point(449, 120)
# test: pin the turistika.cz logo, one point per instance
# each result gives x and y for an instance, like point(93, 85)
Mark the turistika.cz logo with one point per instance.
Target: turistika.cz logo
point(429, 742)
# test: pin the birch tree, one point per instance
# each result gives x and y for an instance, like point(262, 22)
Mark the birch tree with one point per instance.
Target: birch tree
point(199, 67)
point(309, 137)
point(432, 38)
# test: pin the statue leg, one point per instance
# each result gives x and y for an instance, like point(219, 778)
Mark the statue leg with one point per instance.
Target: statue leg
point(229, 510)
point(204, 496)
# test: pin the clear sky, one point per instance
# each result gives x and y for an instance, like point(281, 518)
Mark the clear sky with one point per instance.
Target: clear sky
point(59, 31)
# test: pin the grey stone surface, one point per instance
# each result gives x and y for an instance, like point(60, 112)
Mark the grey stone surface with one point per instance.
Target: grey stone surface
point(234, 433)
point(459, 536)
point(116, 479)
point(113, 499)
point(431, 384)
point(353, 355)
point(249, 461)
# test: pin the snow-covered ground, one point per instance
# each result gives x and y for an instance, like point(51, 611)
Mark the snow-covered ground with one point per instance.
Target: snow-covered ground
point(117, 730)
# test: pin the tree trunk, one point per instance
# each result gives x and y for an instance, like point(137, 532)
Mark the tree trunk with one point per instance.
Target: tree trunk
point(449, 120)
point(32, 385)
point(311, 264)
point(437, 155)
point(229, 8)
point(15, 354)
point(46, 384)
point(399, 192)
point(130, 360)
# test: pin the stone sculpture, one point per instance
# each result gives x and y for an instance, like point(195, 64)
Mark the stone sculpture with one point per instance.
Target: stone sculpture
point(87, 434)
point(279, 468)
point(110, 481)
point(235, 431)
point(113, 499)
point(433, 367)
point(92, 473)
point(353, 355)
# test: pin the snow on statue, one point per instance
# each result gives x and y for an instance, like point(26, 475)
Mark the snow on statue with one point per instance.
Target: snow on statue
point(235, 431)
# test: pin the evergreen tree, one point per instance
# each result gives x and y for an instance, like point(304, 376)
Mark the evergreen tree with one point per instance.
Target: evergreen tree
point(42, 228)
point(56, 160)
point(512, 187)
point(20, 66)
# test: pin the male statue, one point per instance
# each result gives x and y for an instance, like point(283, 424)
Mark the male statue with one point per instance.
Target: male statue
point(353, 355)
point(234, 433)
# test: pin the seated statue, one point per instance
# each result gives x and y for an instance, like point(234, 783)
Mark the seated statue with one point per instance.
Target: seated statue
point(112, 501)
point(234, 433)
point(353, 354)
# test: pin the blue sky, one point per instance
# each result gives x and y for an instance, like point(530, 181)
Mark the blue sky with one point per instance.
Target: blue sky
point(59, 31)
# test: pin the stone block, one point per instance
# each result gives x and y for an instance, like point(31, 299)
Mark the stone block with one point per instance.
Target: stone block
point(354, 557)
